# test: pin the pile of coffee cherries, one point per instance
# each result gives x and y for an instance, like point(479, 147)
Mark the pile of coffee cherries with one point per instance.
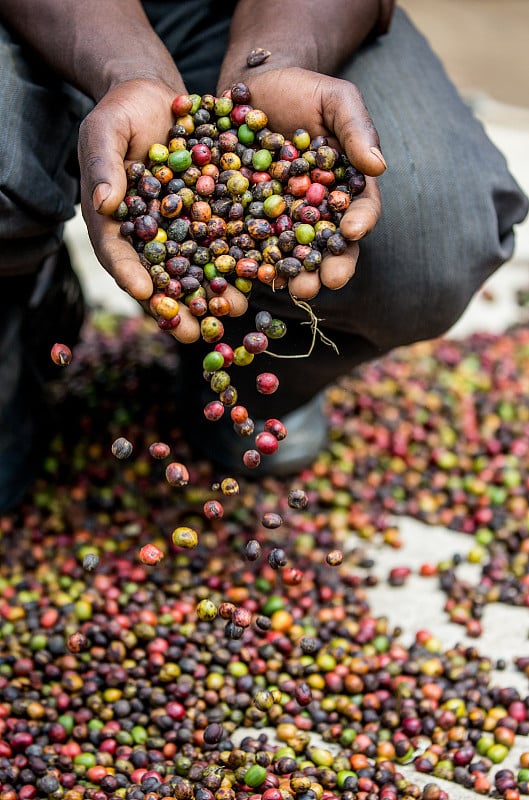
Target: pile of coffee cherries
point(121, 675)
point(227, 201)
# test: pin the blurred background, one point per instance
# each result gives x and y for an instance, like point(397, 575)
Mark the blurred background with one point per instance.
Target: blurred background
point(483, 44)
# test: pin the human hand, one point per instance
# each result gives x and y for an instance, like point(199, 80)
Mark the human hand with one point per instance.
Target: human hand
point(121, 128)
point(297, 98)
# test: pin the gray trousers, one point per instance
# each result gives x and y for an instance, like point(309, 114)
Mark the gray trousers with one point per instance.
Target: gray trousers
point(449, 202)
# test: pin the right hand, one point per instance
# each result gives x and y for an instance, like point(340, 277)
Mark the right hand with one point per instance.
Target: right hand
point(123, 125)
point(334, 108)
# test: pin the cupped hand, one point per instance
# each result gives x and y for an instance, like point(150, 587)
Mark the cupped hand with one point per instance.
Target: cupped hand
point(121, 128)
point(325, 106)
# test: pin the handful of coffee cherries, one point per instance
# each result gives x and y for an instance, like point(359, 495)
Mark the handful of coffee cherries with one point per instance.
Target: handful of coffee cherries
point(228, 201)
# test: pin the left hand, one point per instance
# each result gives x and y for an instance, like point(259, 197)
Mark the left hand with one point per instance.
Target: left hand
point(325, 106)
point(120, 129)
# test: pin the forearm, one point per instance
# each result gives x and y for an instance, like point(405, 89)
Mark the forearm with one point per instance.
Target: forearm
point(92, 45)
point(302, 33)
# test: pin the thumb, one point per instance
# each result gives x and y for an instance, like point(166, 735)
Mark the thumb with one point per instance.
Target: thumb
point(349, 118)
point(101, 152)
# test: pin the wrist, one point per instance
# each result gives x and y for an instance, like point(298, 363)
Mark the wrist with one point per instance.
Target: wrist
point(94, 46)
point(300, 33)
point(127, 72)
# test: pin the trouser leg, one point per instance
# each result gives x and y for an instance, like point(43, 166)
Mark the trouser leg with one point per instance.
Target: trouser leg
point(40, 298)
point(38, 161)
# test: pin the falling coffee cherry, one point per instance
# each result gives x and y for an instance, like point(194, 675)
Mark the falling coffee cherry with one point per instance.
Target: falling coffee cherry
point(150, 554)
point(267, 383)
point(121, 448)
point(61, 354)
point(177, 474)
point(252, 550)
point(297, 499)
point(159, 450)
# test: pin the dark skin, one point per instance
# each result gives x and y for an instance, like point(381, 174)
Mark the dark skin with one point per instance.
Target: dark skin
point(133, 90)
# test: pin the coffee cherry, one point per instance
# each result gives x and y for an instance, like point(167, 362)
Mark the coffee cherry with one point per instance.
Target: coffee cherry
point(61, 354)
point(267, 383)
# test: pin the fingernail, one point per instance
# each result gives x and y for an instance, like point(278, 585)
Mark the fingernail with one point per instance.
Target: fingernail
point(376, 152)
point(100, 194)
point(353, 233)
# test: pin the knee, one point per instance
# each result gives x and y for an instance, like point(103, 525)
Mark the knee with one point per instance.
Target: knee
point(436, 304)
point(429, 265)
point(424, 290)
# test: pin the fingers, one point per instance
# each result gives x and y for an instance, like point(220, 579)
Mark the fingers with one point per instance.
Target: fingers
point(346, 114)
point(363, 213)
point(101, 150)
point(238, 301)
point(306, 285)
point(122, 126)
point(188, 330)
point(336, 271)
point(115, 253)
